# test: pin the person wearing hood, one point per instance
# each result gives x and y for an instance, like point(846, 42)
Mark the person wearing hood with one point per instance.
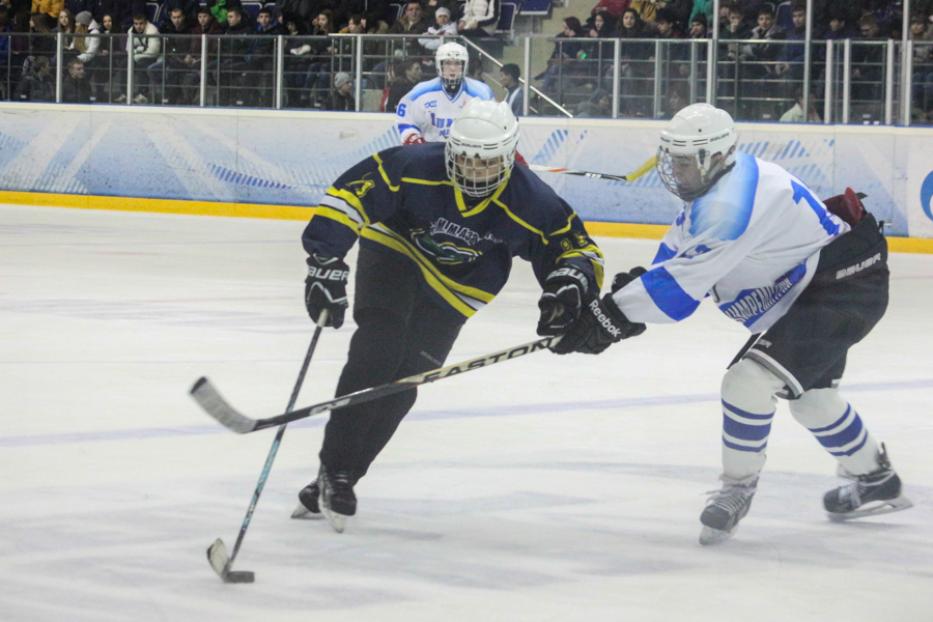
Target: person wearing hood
point(87, 37)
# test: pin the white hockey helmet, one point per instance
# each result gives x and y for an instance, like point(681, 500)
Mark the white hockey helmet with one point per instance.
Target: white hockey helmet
point(480, 149)
point(696, 149)
point(451, 52)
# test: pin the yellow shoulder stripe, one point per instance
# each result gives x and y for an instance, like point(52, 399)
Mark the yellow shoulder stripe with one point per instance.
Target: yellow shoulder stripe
point(385, 175)
point(351, 199)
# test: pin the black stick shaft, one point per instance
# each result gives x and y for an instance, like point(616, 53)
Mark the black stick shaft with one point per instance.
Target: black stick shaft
point(273, 450)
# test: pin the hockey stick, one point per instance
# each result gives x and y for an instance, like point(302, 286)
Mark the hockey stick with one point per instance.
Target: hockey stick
point(217, 407)
point(646, 166)
point(217, 555)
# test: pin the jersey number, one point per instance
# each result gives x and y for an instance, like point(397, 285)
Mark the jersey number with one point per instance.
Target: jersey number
point(400, 110)
point(801, 192)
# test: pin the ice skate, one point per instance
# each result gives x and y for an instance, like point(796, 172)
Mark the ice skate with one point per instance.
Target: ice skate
point(725, 508)
point(336, 500)
point(878, 492)
point(308, 506)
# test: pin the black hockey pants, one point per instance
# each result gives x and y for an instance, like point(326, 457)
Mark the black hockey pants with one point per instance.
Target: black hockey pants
point(401, 331)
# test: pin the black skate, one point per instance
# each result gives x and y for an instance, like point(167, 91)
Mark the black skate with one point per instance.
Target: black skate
point(308, 506)
point(725, 508)
point(337, 500)
point(878, 492)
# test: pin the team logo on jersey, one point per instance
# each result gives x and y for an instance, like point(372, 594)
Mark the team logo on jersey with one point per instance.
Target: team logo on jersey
point(361, 187)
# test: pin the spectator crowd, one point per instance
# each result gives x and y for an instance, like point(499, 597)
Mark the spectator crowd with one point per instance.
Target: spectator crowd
point(167, 61)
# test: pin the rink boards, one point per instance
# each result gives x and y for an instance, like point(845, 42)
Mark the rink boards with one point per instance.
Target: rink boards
point(275, 164)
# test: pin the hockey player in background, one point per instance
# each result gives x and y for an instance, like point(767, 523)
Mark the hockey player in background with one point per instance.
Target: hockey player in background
point(808, 282)
point(438, 224)
point(426, 112)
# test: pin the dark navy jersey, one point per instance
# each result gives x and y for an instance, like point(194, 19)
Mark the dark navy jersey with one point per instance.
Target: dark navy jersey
point(401, 200)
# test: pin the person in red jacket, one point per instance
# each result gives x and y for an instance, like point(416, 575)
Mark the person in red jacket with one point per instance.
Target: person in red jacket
point(615, 8)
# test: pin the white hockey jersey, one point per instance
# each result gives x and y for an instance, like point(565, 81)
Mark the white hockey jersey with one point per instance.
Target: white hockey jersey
point(427, 111)
point(752, 244)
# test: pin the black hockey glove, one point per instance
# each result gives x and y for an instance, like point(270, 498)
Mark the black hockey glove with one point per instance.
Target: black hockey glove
point(601, 324)
point(326, 289)
point(624, 278)
point(566, 290)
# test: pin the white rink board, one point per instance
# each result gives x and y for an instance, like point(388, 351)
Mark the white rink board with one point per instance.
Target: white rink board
point(290, 157)
point(546, 489)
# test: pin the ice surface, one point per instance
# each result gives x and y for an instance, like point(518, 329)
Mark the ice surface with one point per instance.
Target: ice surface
point(545, 488)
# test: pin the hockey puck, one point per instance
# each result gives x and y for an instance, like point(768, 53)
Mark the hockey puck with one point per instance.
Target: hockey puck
point(239, 576)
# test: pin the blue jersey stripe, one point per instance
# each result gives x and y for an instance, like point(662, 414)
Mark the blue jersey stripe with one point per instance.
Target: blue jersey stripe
point(664, 253)
point(667, 294)
point(407, 126)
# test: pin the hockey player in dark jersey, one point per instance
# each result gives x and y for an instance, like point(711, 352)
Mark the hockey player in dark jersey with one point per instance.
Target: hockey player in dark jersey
point(438, 225)
point(809, 279)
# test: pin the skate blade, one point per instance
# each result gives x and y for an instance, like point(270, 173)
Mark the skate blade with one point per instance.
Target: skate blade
point(301, 512)
point(710, 536)
point(883, 507)
point(337, 521)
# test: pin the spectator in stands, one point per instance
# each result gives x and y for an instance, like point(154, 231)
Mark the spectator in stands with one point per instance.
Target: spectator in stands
point(791, 56)
point(514, 95)
point(921, 31)
point(431, 7)
point(299, 11)
point(87, 37)
point(44, 43)
point(698, 27)
point(143, 39)
point(298, 58)
point(37, 83)
point(410, 22)
point(563, 65)
point(443, 26)
point(867, 62)
point(262, 55)
point(838, 27)
point(665, 23)
point(407, 75)
point(611, 8)
point(118, 10)
point(190, 74)
point(372, 13)
point(704, 8)
point(66, 26)
point(675, 100)
point(317, 78)
point(680, 10)
point(341, 96)
point(647, 10)
point(477, 15)
point(235, 57)
point(168, 71)
point(599, 105)
point(51, 8)
point(763, 54)
point(76, 85)
point(795, 113)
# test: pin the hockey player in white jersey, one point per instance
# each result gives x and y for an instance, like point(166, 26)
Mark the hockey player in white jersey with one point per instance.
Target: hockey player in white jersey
point(426, 112)
point(809, 278)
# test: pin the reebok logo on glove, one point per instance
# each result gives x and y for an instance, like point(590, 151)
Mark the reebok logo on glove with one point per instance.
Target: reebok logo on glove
point(603, 320)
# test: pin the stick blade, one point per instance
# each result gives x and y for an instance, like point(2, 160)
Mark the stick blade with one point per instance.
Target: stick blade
point(219, 560)
point(210, 400)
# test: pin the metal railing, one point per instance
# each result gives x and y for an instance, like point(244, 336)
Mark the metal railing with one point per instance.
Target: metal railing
point(842, 81)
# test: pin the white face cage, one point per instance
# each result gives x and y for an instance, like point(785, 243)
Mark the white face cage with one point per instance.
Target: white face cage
point(480, 150)
point(696, 150)
point(455, 53)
